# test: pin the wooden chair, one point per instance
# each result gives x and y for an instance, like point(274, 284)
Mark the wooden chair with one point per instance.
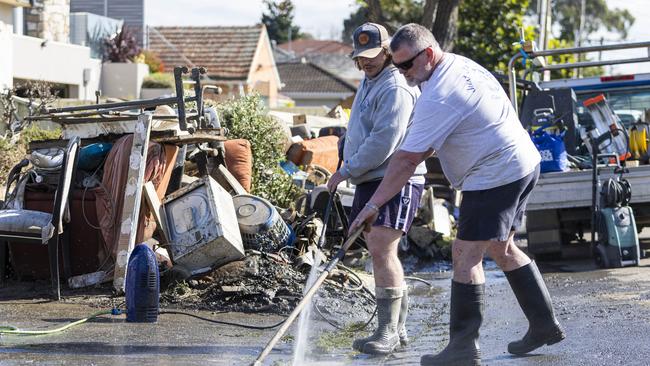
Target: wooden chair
point(36, 227)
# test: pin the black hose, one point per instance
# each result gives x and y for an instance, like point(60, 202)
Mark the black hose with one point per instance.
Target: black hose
point(615, 193)
point(220, 321)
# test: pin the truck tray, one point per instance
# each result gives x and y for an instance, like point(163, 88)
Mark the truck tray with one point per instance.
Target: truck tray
point(573, 189)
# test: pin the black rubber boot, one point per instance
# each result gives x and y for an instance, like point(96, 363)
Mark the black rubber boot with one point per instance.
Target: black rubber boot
point(385, 339)
point(403, 312)
point(465, 318)
point(533, 297)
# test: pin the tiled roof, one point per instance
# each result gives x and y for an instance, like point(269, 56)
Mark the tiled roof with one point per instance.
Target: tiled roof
point(340, 65)
point(306, 47)
point(305, 77)
point(226, 52)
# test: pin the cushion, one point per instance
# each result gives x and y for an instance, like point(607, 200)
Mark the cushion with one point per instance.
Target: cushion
point(32, 224)
point(239, 159)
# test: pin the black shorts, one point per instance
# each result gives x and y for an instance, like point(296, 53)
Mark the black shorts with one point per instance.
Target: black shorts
point(397, 213)
point(492, 214)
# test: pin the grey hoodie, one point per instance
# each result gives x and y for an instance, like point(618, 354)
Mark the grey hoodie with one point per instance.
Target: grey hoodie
point(378, 121)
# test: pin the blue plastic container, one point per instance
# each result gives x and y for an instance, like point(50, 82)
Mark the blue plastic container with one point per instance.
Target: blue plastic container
point(91, 156)
point(142, 286)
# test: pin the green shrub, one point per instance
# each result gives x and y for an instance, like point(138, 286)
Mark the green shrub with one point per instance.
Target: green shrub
point(35, 133)
point(153, 61)
point(246, 118)
point(159, 81)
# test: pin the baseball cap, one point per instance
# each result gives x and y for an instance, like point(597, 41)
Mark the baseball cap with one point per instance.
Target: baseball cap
point(368, 40)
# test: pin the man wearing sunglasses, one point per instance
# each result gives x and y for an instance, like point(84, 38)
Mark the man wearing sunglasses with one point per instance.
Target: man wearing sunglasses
point(465, 117)
point(377, 126)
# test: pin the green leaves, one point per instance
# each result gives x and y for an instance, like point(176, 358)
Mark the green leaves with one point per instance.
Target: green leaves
point(246, 118)
point(278, 20)
point(598, 15)
point(488, 28)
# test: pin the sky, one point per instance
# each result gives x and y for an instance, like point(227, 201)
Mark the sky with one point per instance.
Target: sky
point(324, 19)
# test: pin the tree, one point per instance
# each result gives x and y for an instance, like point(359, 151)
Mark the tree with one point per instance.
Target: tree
point(487, 30)
point(483, 30)
point(355, 19)
point(598, 16)
point(440, 16)
point(279, 21)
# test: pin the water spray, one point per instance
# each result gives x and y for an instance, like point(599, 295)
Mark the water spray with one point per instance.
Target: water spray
point(312, 290)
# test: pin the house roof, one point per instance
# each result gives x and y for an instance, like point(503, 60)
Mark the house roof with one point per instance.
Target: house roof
point(305, 77)
point(340, 65)
point(305, 47)
point(226, 52)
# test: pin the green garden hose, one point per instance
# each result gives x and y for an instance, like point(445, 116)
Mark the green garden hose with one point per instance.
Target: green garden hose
point(11, 330)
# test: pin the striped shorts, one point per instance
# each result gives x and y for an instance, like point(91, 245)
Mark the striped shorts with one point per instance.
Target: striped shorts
point(397, 213)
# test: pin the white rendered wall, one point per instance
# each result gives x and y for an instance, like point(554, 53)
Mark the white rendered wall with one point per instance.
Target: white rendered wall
point(6, 48)
point(56, 62)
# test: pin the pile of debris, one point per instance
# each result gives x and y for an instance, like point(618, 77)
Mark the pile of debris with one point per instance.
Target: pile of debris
point(184, 188)
point(259, 283)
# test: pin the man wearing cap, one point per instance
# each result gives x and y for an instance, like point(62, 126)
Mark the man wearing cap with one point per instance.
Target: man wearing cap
point(377, 126)
point(465, 116)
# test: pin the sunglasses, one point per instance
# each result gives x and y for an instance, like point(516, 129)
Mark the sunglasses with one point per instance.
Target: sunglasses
point(406, 65)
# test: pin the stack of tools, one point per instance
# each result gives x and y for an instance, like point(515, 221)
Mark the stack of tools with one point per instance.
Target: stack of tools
point(607, 131)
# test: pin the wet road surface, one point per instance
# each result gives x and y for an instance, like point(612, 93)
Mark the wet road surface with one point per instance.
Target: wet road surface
point(606, 315)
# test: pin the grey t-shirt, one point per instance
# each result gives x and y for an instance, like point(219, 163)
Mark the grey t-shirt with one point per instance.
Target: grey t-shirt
point(466, 117)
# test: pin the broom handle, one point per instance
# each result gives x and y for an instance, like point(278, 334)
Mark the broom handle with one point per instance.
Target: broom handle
point(312, 290)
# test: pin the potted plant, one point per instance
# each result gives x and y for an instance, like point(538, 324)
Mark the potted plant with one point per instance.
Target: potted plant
point(157, 85)
point(122, 71)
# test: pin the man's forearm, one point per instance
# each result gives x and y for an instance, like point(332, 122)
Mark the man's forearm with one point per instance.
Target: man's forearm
point(400, 169)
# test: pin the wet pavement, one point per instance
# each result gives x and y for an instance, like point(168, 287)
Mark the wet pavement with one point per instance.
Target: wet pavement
point(606, 315)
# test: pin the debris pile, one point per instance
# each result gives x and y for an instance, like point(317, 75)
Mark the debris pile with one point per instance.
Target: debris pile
point(208, 202)
point(257, 284)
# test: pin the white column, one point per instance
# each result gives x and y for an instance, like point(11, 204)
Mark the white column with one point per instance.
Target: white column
point(6, 46)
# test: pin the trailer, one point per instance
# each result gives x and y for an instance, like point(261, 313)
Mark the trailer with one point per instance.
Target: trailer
point(559, 211)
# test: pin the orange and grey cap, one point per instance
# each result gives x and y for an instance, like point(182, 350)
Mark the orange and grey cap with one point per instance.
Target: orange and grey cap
point(369, 39)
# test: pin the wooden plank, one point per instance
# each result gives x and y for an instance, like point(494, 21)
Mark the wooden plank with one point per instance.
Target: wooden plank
point(156, 208)
point(132, 199)
point(228, 181)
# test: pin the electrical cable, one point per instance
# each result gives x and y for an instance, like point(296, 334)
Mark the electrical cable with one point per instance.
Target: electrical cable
point(374, 313)
point(164, 312)
point(11, 330)
point(413, 278)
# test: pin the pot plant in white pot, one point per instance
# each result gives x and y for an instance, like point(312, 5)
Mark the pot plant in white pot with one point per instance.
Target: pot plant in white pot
point(122, 76)
point(157, 85)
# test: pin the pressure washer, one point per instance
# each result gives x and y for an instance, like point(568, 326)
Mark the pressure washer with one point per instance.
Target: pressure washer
point(611, 216)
